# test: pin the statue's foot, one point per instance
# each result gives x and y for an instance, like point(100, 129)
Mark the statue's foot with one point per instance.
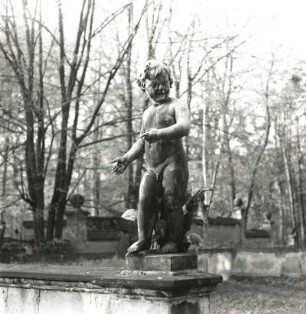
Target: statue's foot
point(138, 248)
point(169, 247)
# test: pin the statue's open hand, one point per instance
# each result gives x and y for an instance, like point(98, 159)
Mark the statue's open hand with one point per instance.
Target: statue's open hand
point(119, 164)
point(151, 135)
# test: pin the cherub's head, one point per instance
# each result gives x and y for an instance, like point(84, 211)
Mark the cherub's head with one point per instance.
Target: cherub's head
point(156, 80)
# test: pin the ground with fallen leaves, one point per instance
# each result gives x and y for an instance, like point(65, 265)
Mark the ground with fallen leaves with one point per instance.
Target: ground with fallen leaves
point(260, 296)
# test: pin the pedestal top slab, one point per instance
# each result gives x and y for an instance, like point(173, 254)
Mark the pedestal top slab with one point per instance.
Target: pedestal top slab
point(106, 277)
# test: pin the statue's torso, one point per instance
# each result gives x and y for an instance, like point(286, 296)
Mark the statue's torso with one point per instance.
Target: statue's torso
point(162, 151)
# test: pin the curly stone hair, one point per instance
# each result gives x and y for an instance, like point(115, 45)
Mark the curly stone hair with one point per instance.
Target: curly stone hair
point(151, 70)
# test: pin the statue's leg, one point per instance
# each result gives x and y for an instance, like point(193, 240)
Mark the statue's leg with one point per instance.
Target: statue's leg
point(149, 193)
point(174, 185)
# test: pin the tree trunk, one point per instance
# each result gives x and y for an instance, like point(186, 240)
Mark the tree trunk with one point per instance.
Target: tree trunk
point(129, 107)
point(204, 144)
point(63, 192)
point(59, 219)
point(96, 176)
point(228, 154)
point(189, 99)
point(5, 159)
point(291, 215)
point(39, 216)
point(301, 208)
point(266, 140)
point(281, 215)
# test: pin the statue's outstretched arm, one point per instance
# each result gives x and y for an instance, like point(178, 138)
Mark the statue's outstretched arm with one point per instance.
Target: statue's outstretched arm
point(120, 163)
point(135, 151)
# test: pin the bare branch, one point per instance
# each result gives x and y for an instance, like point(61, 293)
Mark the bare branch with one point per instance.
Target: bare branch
point(106, 139)
point(111, 76)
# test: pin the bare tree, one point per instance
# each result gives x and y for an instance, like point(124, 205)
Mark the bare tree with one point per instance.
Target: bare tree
point(21, 57)
point(27, 58)
point(76, 84)
point(264, 145)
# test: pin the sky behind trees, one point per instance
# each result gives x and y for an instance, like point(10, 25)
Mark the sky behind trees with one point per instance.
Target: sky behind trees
point(273, 23)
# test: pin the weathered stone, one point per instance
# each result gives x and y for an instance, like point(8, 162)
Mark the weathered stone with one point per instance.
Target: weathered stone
point(273, 263)
point(165, 262)
point(29, 298)
point(89, 290)
point(3, 297)
point(257, 264)
point(216, 262)
point(199, 306)
point(293, 264)
point(90, 302)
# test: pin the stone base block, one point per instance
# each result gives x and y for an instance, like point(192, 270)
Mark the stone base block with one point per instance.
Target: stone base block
point(163, 262)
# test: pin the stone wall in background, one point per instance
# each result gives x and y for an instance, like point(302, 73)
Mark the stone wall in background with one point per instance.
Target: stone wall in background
point(268, 262)
point(227, 233)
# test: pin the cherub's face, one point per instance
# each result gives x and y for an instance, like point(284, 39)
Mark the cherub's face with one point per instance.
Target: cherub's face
point(158, 89)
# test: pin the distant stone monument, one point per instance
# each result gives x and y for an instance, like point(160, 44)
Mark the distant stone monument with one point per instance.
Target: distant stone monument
point(163, 189)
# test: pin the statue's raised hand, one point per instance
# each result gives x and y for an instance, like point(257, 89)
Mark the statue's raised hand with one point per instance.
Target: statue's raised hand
point(119, 164)
point(151, 135)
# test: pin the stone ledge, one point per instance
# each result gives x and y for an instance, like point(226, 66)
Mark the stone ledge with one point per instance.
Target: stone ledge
point(93, 278)
point(49, 289)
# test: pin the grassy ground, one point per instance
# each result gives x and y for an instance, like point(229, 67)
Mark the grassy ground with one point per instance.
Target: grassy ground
point(260, 296)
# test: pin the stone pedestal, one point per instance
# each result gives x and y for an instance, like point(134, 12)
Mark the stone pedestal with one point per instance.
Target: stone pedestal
point(182, 287)
point(173, 287)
